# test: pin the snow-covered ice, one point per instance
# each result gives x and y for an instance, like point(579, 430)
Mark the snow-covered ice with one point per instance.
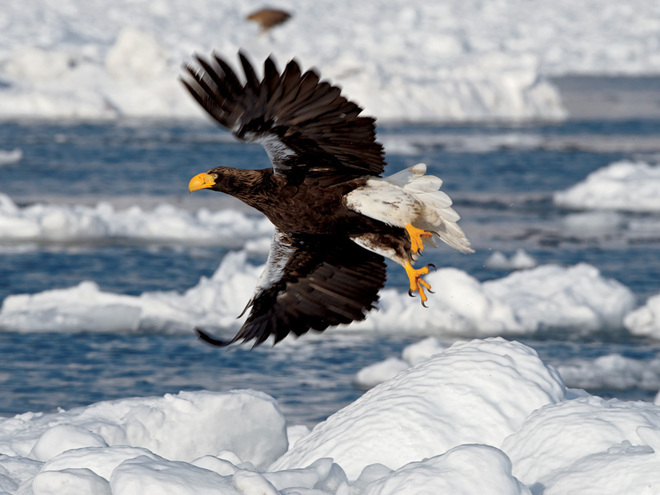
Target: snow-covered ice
point(461, 60)
point(485, 416)
point(43, 223)
point(608, 372)
point(624, 185)
point(9, 157)
point(519, 260)
point(575, 299)
point(645, 320)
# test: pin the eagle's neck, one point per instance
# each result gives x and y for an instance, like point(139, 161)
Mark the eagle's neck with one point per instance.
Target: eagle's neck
point(252, 187)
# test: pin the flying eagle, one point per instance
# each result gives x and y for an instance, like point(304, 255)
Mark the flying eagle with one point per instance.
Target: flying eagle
point(335, 217)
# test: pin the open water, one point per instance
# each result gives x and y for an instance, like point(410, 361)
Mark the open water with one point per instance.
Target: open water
point(501, 178)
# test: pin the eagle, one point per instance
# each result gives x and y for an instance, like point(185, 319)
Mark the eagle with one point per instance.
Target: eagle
point(336, 216)
point(269, 18)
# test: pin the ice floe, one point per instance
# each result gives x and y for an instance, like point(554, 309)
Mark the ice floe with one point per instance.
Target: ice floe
point(576, 300)
point(624, 185)
point(608, 372)
point(645, 321)
point(45, 223)
point(10, 157)
point(519, 260)
point(485, 416)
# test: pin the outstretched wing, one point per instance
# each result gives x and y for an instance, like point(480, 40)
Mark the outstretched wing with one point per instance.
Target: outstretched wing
point(310, 282)
point(305, 125)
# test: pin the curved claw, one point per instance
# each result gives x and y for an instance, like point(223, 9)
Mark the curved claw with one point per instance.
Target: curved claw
point(417, 283)
point(416, 235)
point(432, 266)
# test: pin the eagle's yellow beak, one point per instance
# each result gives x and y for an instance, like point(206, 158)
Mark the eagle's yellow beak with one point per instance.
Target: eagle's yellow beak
point(201, 181)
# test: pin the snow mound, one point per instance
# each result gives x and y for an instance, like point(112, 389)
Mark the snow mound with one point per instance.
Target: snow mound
point(546, 298)
point(10, 157)
point(434, 407)
point(612, 372)
point(376, 373)
point(484, 469)
point(180, 427)
point(617, 447)
point(85, 308)
point(645, 321)
point(78, 223)
point(555, 297)
point(623, 185)
point(486, 416)
point(608, 372)
point(520, 260)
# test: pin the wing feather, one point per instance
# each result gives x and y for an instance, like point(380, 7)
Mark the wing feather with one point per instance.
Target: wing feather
point(304, 123)
point(310, 283)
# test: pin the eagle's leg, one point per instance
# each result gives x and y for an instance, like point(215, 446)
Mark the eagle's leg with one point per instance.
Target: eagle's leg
point(416, 235)
point(417, 284)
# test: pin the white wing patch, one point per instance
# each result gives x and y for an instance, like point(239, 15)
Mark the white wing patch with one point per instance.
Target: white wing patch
point(386, 202)
point(280, 252)
point(277, 151)
point(410, 197)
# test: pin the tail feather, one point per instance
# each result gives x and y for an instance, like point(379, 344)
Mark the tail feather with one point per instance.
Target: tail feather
point(437, 214)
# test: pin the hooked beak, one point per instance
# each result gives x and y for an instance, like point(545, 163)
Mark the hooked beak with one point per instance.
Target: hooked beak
point(201, 181)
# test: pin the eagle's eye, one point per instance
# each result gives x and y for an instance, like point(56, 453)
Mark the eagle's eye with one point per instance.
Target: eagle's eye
point(215, 176)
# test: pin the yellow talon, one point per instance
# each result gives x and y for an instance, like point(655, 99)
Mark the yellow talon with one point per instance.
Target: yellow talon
point(416, 244)
point(417, 284)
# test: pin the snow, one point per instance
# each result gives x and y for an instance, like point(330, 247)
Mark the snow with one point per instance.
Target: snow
point(462, 60)
point(10, 157)
point(519, 260)
point(608, 372)
point(484, 416)
point(617, 439)
point(445, 412)
point(548, 298)
point(45, 223)
point(625, 185)
point(575, 299)
point(376, 373)
point(594, 223)
point(180, 427)
point(612, 372)
point(645, 320)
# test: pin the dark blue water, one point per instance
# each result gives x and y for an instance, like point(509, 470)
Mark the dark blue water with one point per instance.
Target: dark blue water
point(502, 189)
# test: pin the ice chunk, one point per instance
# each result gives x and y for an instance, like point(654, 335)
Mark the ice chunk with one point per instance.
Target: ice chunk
point(623, 185)
point(474, 392)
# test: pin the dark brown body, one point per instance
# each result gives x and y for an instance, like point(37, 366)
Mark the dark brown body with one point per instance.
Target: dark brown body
point(310, 208)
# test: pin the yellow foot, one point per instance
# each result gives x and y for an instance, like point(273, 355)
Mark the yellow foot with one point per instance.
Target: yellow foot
point(416, 282)
point(416, 245)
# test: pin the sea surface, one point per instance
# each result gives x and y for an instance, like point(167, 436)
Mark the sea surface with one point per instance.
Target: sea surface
point(501, 178)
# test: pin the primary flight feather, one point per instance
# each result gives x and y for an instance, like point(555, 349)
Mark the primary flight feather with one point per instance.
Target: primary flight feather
point(335, 217)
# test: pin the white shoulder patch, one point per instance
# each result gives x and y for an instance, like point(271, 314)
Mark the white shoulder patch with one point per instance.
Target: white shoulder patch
point(410, 197)
point(384, 201)
point(280, 252)
point(277, 151)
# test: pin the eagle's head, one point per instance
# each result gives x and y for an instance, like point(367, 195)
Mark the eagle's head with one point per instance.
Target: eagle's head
point(205, 180)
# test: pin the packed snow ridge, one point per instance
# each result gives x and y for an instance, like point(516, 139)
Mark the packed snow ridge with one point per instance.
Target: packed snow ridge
point(486, 416)
point(462, 60)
